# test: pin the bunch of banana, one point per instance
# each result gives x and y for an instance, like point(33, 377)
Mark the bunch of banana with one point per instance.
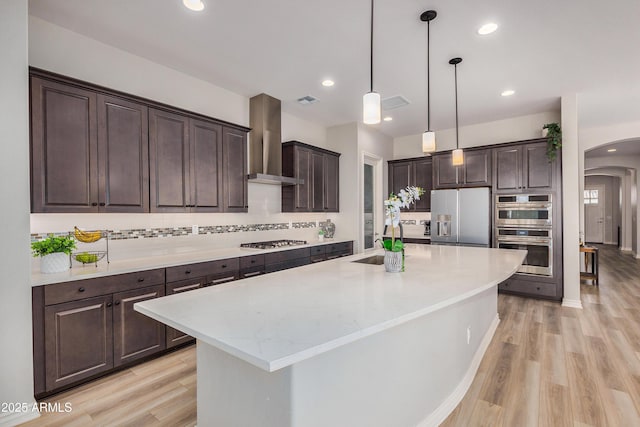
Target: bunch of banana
point(87, 236)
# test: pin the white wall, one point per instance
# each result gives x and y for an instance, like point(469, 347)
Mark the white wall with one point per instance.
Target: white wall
point(16, 372)
point(297, 129)
point(56, 49)
point(507, 130)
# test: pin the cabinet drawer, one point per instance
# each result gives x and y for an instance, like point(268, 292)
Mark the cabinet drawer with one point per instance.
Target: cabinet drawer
point(185, 285)
point(338, 247)
point(220, 278)
point(284, 265)
point(251, 261)
point(318, 258)
point(81, 289)
point(275, 257)
point(201, 269)
point(251, 271)
point(318, 250)
point(528, 287)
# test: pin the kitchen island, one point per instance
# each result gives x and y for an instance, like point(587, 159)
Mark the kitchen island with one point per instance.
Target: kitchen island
point(342, 342)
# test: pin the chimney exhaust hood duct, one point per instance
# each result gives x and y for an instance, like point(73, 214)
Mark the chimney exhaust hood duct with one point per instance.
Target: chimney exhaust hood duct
point(265, 148)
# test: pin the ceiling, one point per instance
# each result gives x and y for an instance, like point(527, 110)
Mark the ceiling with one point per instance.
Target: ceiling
point(542, 49)
point(626, 148)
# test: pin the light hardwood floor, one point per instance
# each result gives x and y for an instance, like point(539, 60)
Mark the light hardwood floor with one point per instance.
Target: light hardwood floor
point(547, 365)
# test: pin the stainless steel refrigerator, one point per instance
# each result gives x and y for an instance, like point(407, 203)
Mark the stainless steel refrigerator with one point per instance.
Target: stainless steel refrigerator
point(461, 217)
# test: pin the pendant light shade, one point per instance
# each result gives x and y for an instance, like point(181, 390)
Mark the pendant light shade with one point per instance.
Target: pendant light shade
point(457, 156)
point(428, 142)
point(428, 137)
point(371, 101)
point(371, 108)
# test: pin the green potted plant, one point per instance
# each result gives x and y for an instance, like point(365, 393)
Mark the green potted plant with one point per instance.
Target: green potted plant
point(320, 235)
point(54, 252)
point(553, 133)
point(394, 249)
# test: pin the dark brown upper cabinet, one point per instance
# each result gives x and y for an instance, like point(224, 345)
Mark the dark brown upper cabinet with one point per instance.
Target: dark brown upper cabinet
point(98, 150)
point(196, 165)
point(89, 151)
point(523, 167)
point(320, 171)
point(123, 153)
point(475, 172)
point(415, 172)
point(64, 148)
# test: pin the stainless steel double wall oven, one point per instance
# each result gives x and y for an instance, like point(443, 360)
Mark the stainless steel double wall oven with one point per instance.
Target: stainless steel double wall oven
point(524, 221)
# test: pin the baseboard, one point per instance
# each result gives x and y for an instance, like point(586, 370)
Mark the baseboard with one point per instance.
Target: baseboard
point(573, 303)
point(625, 249)
point(444, 410)
point(10, 419)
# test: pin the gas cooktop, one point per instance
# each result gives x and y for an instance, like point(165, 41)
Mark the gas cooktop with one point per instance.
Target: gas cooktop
point(272, 244)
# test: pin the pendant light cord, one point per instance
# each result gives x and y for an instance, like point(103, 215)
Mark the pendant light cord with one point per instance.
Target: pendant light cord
point(371, 58)
point(428, 82)
point(455, 68)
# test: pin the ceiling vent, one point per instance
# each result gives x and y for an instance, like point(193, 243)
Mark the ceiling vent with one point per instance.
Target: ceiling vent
point(394, 102)
point(307, 100)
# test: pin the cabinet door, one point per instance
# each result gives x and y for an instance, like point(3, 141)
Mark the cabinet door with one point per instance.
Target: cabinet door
point(477, 168)
point(234, 167)
point(538, 169)
point(64, 148)
point(423, 178)
point(175, 337)
point(134, 334)
point(331, 183)
point(303, 169)
point(400, 176)
point(169, 161)
point(508, 168)
point(123, 156)
point(78, 340)
point(317, 182)
point(205, 141)
point(445, 175)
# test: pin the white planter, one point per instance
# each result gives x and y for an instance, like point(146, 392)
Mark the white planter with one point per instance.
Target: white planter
point(392, 262)
point(54, 263)
point(320, 237)
point(545, 132)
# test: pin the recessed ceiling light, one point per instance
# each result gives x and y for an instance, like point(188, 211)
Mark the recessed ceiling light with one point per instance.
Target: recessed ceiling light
point(611, 150)
point(195, 5)
point(328, 83)
point(508, 92)
point(487, 29)
point(388, 119)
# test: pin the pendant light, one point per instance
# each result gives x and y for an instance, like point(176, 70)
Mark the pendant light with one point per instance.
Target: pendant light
point(457, 156)
point(429, 136)
point(371, 101)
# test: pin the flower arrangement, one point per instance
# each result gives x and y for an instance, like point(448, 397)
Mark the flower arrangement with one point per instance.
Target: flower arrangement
point(392, 205)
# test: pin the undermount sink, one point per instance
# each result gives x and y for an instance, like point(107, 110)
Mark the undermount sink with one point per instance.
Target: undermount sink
point(373, 260)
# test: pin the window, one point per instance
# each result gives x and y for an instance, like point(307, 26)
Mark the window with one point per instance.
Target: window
point(590, 197)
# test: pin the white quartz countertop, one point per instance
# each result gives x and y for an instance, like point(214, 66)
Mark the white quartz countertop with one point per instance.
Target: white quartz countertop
point(275, 320)
point(142, 263)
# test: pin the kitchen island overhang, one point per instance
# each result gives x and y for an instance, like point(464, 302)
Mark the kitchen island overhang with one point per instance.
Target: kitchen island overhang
point(343, 342)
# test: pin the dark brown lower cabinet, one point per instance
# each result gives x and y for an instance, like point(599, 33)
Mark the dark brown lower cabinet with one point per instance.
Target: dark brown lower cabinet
point(78, 340)
point(135, 335)
point(87, 328)
point(175, 337)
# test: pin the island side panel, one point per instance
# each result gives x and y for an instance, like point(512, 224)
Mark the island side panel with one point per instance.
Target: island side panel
point(401, 376)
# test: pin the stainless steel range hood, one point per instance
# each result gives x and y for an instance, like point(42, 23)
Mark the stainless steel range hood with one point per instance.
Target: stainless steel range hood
point(265, 148)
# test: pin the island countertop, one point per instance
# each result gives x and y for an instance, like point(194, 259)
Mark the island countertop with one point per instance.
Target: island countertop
point(276, 320)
